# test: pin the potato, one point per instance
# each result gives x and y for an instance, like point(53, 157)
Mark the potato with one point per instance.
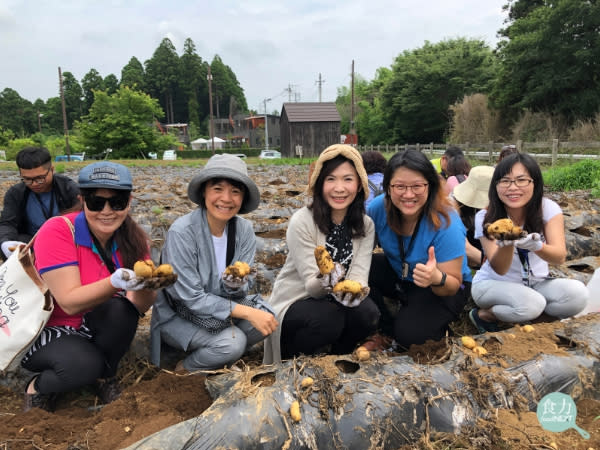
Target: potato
point(503, 229)
point(362, 354)
point(295, 411)
point(238, 269)
point(324, 260)
point(527, 328)
point(306, 382)
point(142, 269)
point(163, 270)
point(469, 342)
point(480, 351)
point(353, 287)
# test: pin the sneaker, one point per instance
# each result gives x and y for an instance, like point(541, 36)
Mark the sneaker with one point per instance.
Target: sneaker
point(483, 326)
point(377, 343)
point(108, 390)
point(47, 402)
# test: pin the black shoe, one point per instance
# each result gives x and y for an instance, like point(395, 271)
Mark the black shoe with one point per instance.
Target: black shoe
point(108, 390)
point(483, 326)
point(47, 402)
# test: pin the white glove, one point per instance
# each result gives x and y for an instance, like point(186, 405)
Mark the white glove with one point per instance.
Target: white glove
point(233, 282)
point(351, 300)
point(329, 280)
point(504, 243)
point(9, 246)
point(125, 279)
point(532, 242)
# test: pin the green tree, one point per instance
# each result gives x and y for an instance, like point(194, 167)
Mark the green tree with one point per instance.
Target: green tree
point(123, 122)
point(193, 83)
point(162, 76)
point(73, 98)
point(16, 113)
point(132, 75)
point(424, 83)
point(550, 59)
point(110, 84)
point(52, 122)
point(224, 86)
point(91, 81)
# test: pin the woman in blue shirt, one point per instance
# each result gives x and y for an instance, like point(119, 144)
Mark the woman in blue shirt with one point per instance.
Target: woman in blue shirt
point(423, 270)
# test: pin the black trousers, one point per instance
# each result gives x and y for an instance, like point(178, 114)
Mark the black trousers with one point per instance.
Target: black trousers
point(411, 314)
point(68, 362)
point(311, 324)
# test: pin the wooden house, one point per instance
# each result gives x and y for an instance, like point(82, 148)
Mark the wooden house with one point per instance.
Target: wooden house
point(308, 128)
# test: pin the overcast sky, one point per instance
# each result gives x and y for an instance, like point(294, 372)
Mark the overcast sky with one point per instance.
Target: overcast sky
point(270, 45)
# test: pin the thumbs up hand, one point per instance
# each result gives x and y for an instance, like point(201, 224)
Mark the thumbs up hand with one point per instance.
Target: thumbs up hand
point(425, 275)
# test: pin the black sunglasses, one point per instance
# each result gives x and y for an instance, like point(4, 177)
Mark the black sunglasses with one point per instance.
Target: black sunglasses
point(117, 203)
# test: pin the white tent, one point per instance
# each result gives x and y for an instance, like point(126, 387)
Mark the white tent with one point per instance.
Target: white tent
point(203, 144)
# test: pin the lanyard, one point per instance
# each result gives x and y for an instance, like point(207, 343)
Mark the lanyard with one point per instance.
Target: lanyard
point(106, 257)
point(525, 269)
point(47, 214)
point(403, 253)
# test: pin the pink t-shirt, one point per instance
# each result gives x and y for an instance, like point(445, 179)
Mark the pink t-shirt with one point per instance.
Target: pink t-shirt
point(451, 183)
point(54, 248)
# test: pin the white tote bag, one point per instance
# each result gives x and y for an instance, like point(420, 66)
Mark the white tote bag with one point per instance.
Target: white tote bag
point(25, 305)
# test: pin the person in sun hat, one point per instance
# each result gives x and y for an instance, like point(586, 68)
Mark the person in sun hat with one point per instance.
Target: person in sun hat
point(208, 313)
point(313, 318)
point(86, 258)
point(472, 195)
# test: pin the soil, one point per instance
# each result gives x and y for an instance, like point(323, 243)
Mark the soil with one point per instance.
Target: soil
point(154, 399)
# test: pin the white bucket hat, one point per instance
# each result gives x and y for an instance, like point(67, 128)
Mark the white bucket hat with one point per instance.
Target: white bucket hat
point(226, 166)
point(473, 191)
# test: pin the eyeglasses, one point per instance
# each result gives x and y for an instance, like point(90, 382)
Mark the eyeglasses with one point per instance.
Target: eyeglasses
point(519, 182)
point(36, 180)
point(417, 189)
point(117, 203)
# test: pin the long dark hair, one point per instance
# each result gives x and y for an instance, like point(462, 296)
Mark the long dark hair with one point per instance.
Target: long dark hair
point(437, 203)
point(533, 210)
point(321, 209)
point(131, 239)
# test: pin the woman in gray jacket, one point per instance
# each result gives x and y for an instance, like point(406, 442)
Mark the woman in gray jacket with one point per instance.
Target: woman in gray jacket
point(315, 319)
point(207, 313)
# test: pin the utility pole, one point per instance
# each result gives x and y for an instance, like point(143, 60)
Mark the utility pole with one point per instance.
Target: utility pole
point(212, 128)
point(64, 114)
point(39, 121)
point(266, 123)
point(352, 131)
point(320, 84)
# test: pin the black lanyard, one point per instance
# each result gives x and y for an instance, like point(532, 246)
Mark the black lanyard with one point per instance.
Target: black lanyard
point(47, 214)
point(403, 253)
point(525, 270)
point(106, 256)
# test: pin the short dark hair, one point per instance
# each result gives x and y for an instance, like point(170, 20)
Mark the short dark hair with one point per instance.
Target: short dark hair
point(453, 151)
point(32, 157)
point(507, 150)
point(374, 162)
point(458, 165)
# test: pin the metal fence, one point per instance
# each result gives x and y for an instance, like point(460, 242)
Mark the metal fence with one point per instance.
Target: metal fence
point(552, 150)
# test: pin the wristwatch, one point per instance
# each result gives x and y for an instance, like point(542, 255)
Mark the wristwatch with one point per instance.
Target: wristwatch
point(442, 281)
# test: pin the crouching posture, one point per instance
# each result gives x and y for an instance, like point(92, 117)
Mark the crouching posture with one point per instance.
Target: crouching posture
point(208, 312)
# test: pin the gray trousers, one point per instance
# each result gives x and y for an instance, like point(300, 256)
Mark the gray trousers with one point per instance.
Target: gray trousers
point(210, 351)
point(514, 302)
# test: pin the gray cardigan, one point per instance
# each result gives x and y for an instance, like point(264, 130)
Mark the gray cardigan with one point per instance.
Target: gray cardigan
point(298, 277)
point(189, 249)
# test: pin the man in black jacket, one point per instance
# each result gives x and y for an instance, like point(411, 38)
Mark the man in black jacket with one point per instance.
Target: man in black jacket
point(41, 194)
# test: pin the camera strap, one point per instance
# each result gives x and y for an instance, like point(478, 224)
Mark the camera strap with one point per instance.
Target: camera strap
point(403, 253)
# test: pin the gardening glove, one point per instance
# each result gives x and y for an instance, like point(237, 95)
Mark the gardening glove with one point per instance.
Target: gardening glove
point(126, 279)
point(532, 242)
point(505, 242)
point(349, 299)
point(235, 285)
point(10, 246)
point(329, 280)
point(158, 282)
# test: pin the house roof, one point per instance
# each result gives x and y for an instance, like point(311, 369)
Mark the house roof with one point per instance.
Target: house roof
point(311, 112)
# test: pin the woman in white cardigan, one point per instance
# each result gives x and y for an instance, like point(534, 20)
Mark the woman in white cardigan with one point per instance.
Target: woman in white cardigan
point(314, 319)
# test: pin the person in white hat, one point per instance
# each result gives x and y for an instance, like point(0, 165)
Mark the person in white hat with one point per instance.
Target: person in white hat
point(313, 318)
point(472, 195)
point(207, 313)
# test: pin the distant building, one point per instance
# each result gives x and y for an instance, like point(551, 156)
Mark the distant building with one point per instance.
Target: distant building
point(308, 128)
point(245, 129)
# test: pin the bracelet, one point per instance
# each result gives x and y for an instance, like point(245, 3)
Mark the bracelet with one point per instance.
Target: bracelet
point(442, 281)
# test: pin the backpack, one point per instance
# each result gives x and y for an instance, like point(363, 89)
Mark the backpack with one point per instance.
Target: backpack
point(375, 189)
